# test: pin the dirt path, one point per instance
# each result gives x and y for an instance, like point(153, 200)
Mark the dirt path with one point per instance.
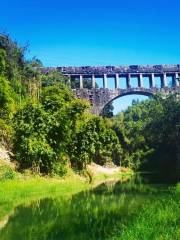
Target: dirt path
point(96, 169)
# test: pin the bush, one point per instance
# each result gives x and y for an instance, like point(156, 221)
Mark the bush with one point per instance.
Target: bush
point(6, 98)
point(44, 130)
point(6, 173)
point(60, 168)
point(6, 133)
point(94, 141)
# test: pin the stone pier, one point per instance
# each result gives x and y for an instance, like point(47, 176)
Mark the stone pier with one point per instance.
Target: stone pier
point(146, 75)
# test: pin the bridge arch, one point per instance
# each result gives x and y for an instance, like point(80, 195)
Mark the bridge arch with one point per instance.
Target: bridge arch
point(99, 98)
point(144, 92)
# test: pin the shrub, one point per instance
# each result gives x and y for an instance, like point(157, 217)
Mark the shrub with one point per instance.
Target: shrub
point(6, 173)
point(44, 130)
point(94, 141)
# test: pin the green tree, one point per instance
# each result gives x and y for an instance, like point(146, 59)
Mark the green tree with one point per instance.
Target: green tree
point(7, 104)
point(14, 57)
point(94, 141)
point(2, 62)
point(43, 130)
point(148, 134)
point(108, 110)
point(54, 77)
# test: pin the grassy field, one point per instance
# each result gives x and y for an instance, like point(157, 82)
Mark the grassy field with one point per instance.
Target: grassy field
point(23, 189)
point(157, 220)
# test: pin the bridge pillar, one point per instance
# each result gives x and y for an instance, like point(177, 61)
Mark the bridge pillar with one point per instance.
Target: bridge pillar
point(105, 84)
point(152, 81)
point(117, 80)
point(140, 80)
point(80, 81)
point(128, 81)
point(164, 80)
point(93, 81)
point(176, 80)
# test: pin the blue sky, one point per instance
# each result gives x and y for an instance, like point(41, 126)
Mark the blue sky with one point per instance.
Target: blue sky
point(95, 32)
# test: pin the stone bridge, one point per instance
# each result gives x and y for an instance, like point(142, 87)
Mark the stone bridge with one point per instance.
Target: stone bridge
point(139, 79)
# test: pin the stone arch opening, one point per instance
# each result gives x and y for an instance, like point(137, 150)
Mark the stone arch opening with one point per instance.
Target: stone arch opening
point(142, 93)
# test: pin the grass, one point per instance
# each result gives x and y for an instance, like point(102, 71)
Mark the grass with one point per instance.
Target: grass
point(159, 219)
point(24, 189)
point(116, 176)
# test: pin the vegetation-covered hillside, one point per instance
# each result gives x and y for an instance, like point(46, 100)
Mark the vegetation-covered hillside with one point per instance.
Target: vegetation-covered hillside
point(48, 130)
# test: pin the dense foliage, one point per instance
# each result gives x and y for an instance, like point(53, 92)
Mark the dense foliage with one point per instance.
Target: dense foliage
point(48, 129)
point(150, 133)
point(95, 141)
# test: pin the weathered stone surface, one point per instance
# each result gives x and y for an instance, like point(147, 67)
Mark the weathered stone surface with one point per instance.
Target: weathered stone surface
point(89, 70)
point(100, 97)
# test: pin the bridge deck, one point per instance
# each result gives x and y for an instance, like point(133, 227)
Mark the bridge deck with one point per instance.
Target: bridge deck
point(99, 70)
point(100, 97)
